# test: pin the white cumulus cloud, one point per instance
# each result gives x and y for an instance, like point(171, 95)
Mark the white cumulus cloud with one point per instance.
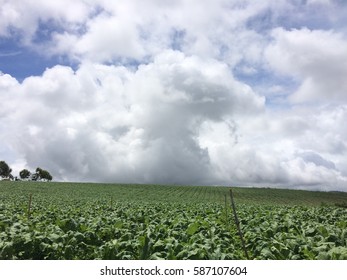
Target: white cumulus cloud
point(186, 92)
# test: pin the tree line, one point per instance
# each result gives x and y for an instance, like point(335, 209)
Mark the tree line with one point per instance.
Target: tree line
point(39, 174)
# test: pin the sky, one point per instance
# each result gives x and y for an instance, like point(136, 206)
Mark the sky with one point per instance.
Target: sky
point(222, 92)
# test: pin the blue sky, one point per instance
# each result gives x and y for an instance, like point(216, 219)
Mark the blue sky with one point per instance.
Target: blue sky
point(20, 62)
point(188, 92)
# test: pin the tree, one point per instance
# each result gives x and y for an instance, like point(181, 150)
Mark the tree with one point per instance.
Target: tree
point(24, 174)
point(43, 174)
point(5, 170)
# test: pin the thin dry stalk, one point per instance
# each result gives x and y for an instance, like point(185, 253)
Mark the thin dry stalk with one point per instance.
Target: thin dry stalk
point(29, 206)
point(237, 222)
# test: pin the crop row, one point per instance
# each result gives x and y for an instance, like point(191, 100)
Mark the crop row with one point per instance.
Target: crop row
point(95, 221)
point(97, 230)
point(126, 231)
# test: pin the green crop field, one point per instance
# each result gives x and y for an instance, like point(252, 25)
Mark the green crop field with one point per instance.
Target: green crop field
point(112, 221)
